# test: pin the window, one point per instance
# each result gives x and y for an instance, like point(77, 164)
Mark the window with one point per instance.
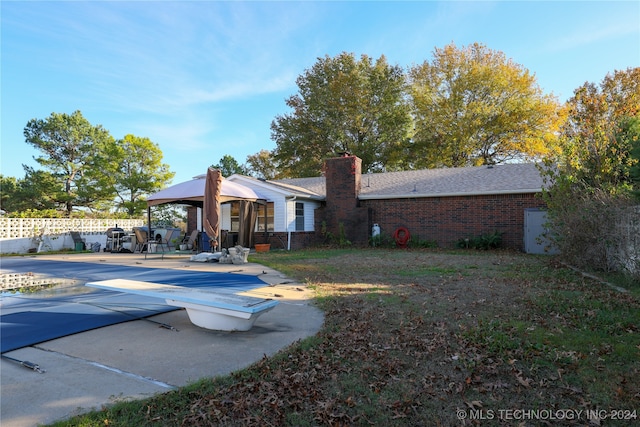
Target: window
point(299, 216)
point(261, 220)
point(235, 216)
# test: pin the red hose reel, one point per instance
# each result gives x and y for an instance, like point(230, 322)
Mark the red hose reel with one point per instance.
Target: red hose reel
point(401, 236)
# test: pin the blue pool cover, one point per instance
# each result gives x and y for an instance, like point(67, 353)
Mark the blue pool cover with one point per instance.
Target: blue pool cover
point(34, 318)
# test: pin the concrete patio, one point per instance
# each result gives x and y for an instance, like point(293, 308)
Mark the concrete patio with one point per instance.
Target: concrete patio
point(139, 358)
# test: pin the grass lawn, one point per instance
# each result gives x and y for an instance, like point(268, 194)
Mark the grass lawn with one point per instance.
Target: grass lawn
point(427, 338)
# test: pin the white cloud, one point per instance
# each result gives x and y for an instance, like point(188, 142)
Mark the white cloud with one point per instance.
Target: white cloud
point(155, 57)
point(586, 36)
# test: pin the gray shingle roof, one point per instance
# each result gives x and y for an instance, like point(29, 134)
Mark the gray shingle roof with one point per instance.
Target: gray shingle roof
point(314, 190)
point(315, 185)
point(289, 187)
point(500, 179)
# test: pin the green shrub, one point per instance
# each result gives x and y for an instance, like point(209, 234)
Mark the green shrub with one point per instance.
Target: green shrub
point(483, 241)
point(420, 243)
point(331, 239)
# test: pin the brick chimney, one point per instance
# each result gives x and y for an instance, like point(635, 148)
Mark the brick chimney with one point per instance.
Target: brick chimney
point(342, 212)
point(343, 176)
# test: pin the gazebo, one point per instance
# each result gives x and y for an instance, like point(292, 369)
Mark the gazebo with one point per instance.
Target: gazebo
point(192, 193)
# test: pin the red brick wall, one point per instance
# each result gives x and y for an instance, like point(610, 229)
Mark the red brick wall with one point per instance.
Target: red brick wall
point(299, 239)
point(448, 219)
point(342, 210)
point(192, 219)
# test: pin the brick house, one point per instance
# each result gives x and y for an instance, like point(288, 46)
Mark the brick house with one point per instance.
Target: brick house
point(441, 205)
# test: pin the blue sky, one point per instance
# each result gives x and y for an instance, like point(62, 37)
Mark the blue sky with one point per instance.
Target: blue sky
point(204, 79)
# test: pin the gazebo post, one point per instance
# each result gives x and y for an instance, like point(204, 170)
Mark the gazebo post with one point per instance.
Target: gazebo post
point(148, 223)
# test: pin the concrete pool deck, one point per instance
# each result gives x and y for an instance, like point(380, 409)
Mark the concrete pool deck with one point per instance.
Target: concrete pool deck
point(139, 358)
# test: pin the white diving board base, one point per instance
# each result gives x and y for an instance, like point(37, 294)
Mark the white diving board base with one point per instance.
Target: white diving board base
point(206, 308)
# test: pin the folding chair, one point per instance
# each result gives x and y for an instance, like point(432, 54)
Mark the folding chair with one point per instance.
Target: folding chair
point(141, 240)
point(193, 239)
point(164, 242)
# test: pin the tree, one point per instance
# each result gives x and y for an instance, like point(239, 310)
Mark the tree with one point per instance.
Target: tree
point(137, 171)
point(262, 165)
point(8, 189)
point(472, 106)
point(631, 133)
point(38, 190)
point(590, 202)
point(71, 147)
point(344, 105)
point(229, 166)
point(601, 131)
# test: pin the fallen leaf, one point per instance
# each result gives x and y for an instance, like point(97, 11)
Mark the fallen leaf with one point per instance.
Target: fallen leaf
point(474, 404)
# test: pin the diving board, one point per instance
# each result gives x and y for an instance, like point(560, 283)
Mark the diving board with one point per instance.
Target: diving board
point(206, 308)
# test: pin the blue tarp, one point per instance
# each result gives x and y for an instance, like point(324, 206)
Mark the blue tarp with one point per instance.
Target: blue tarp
point(34, 318)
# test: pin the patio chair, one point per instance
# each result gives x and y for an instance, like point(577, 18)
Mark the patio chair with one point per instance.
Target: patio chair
point(141, 240)
point(168, 237)
point(193, 239)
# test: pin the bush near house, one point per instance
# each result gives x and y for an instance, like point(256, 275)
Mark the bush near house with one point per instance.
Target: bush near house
point(484, 241)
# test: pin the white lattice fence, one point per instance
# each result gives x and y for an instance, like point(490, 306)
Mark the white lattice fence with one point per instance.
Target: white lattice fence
point(16, 228)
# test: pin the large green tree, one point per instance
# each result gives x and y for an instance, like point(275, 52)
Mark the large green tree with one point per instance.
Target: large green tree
point(344, 105)
point(601, 132)
point(592, 211)
point(8, 190)
point(474, 106)
point(228, 166)
point(137, 171)
point(38, 190)
point(71, 148)
point(262, 165)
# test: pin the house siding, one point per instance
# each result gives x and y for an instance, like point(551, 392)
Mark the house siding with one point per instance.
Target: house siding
point(445, 220)
point(284, 208)
point(225, 216)
point(299, 239)
point(309, 213)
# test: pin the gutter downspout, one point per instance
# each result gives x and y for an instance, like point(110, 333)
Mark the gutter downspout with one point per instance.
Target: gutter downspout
point(286, 219)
